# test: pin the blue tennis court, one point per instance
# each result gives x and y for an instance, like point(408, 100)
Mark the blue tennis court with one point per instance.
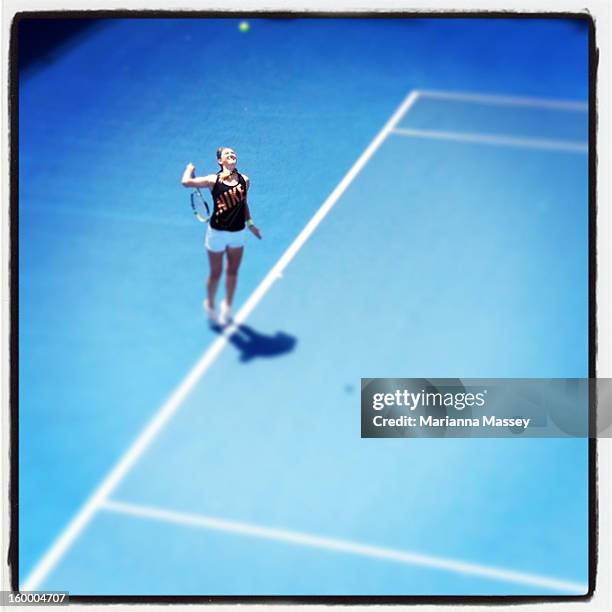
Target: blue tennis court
point(422, 190)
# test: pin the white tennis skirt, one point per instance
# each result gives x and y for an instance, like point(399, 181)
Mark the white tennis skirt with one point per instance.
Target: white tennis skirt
point(218, 240)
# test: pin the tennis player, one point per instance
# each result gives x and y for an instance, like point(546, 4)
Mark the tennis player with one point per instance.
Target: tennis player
point(226, 230)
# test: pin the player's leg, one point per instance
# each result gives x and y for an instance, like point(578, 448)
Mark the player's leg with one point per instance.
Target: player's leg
point(215, 261)
point(234, 257)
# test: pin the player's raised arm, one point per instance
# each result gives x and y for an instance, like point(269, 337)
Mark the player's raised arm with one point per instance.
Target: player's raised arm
point(190, 180)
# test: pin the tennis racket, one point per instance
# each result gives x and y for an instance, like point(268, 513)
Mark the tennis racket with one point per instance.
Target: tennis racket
point(200, 207)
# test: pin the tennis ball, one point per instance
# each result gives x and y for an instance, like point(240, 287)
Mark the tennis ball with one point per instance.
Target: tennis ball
point(244, 26)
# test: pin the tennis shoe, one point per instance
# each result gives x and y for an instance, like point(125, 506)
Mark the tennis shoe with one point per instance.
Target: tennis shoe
point(225, 315)
point(211, 313)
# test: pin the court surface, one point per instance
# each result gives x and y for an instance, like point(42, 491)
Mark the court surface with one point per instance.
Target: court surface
point(422, 190)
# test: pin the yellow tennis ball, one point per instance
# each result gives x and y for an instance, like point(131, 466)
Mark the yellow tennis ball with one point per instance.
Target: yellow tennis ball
point(244, 26)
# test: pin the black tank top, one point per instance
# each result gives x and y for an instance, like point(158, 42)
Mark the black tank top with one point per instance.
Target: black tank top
point(229, 205)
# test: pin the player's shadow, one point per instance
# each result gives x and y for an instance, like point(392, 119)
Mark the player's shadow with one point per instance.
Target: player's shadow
point(253, 344)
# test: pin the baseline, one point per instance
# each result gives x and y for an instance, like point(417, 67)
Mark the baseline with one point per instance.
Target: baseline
point(493, 99)
point(509, 141)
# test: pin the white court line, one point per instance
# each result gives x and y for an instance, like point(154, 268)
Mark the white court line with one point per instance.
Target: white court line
point(567, 105)
point(345, 546)
point(501, 140)
point(167, 410)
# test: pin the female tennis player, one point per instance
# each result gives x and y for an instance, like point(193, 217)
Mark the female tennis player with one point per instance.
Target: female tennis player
point(226, 230)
